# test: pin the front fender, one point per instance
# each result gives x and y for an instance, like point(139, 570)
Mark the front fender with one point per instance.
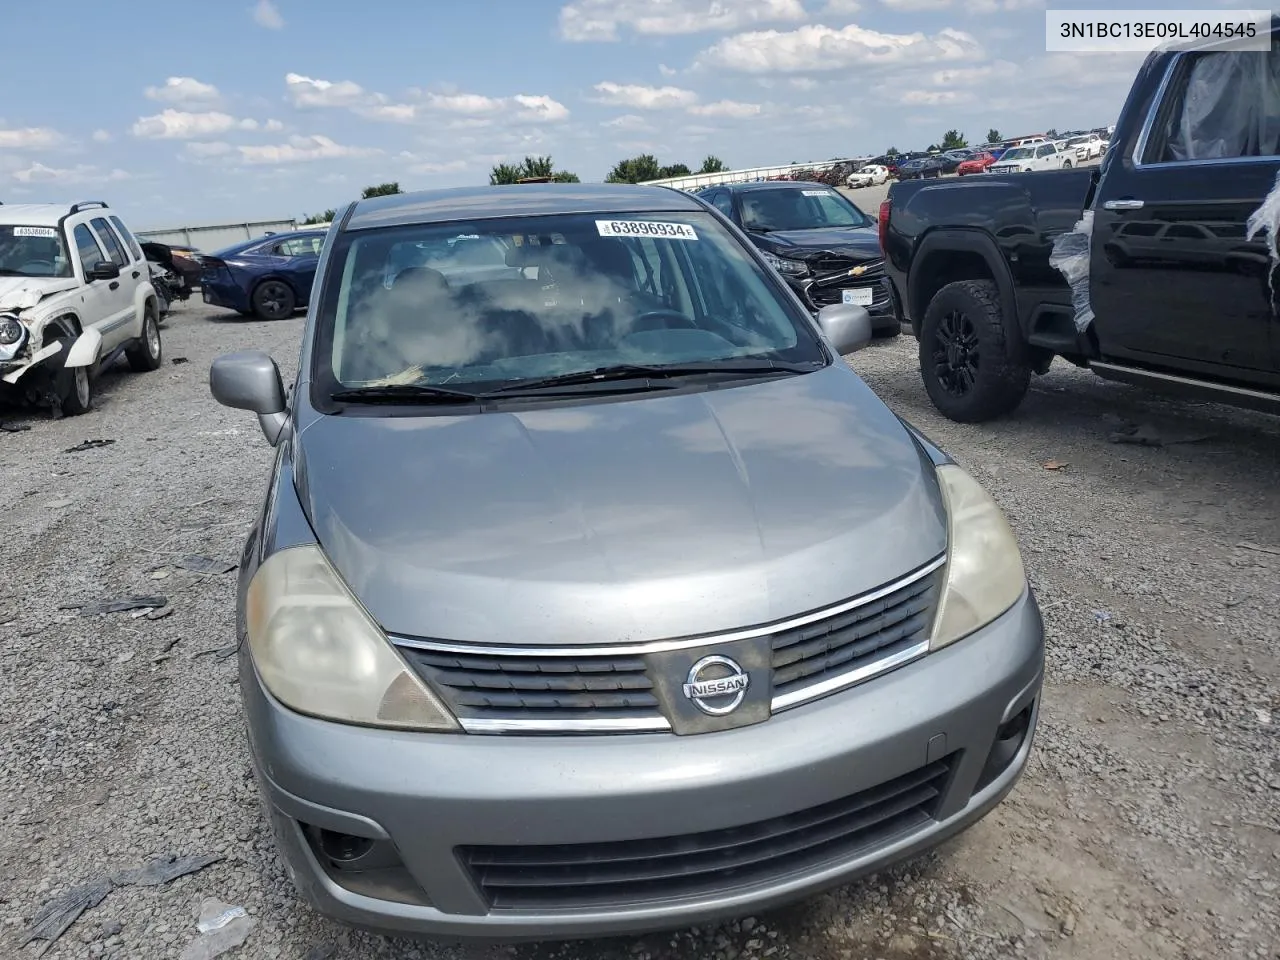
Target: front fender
point(84, 352)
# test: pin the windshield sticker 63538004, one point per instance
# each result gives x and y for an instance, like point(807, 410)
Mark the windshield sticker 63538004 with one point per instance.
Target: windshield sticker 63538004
point(48, 232)
point(646, 228)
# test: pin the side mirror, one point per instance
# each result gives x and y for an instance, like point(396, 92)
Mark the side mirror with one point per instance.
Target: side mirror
point(847, 326)
point(250, 380)
point(104, 270)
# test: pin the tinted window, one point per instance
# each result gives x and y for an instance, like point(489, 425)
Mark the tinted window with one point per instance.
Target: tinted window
point(109, 239)
point(1220, 106)
point(803, 209)
point(299, 247)
point(574, 293)
point(87, 248)
point(723, 202)
point(130, 239)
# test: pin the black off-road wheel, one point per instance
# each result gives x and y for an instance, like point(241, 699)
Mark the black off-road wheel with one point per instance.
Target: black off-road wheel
point(968, 366)
point(273, 300)
point(147, 352)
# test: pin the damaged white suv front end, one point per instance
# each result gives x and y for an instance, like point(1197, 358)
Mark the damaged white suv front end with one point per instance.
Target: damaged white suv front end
point(75, 294)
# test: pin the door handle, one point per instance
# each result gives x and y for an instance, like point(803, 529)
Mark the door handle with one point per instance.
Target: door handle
point(1122, 205)
point(135, 274)
point(114, 285)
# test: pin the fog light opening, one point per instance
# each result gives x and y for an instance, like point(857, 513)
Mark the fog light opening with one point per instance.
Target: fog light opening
point(343, 847)
point(1009, 739)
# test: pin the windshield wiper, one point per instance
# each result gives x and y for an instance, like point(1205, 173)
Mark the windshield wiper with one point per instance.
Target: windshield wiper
point(408, 393)
point(641, 371)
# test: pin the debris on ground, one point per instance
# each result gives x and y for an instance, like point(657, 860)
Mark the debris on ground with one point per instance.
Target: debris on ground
point(58, 504)
point(198, 564)
point(158, 614)
point(222, 928)
point(1149, 435)
point(1055, 464)
point(122, 604)
point(56, 917)
point(177, 360)
point(88, 445)
point(14, 427)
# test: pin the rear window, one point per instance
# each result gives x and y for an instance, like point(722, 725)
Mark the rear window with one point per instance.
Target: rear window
point(500, 300)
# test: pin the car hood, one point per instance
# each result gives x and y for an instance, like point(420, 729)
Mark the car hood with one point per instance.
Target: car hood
point(19, 293)
point(624, 520)
point(861, 243)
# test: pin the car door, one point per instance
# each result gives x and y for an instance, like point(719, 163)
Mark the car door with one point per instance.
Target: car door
point(133, 273)
point(101, 303)
point(1200, 296)
point(1044, 157)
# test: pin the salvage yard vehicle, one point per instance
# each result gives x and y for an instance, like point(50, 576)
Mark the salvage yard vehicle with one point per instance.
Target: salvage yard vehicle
point(268, 277)
point(825, 247)
point(1156, 268)
point(75, 294)
point(1040, 156)
point(607, 598)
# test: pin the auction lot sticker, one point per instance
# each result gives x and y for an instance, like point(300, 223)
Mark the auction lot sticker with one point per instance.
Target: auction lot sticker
point(48, 232)
point(646, 228)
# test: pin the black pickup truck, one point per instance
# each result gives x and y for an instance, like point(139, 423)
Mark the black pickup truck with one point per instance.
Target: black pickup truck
point(1156, 267)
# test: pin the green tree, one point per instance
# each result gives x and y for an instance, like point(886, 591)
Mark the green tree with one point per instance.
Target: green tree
point(635, 170)
point(993, 136)
point(1051, 133)
point(713, 164)
point(892, 152)
point(528, 168)
point(953, 140)
point(381, 190)
point(674, 170)
point(326, 217)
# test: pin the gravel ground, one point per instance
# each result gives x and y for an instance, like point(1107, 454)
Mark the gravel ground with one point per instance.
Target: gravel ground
point(1147, 825)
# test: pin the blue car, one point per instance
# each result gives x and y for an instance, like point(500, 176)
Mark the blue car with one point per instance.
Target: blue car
point(268, 277)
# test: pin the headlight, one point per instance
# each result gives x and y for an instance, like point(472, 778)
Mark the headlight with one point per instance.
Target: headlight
point(789, 268)
point(320, 653)
point(11, 331)
point(984, 568)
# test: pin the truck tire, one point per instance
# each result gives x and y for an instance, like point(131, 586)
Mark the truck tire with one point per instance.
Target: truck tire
point(965, 360)
point(146, 353)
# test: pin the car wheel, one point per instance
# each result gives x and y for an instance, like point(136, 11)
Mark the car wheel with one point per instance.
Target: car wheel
point(75, 390)
point(147, 352)
point(273, 300)
point(1066, 164)
point(965, 359)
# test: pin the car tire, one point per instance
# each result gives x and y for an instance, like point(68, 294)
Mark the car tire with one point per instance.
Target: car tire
point(75, 390)
point(147, 352)
point(887, 332)
point(1066, 164)
point(965, 360)
point(273, 300)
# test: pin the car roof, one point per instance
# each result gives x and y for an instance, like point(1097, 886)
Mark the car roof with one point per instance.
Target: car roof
point(33, 214)
point(515, 200)
point(771, 185)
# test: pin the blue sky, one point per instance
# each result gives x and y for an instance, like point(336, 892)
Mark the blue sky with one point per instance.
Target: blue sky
point(271, 108)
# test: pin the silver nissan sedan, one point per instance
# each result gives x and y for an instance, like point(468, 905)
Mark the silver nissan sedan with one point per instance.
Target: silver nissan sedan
point(594, 593)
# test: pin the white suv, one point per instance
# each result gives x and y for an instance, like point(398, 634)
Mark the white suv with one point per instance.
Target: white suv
point(1042, 156)
point(75, 293)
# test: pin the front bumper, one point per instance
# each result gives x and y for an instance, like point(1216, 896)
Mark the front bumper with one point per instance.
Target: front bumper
point(546, 837)
point(824, 291)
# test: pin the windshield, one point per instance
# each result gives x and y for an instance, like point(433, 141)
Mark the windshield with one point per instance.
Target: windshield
point(574, 293)
point(27, 251)
point(1017, 153)
point(806, 209)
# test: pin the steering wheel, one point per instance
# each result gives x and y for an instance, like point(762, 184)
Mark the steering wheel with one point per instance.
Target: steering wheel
point(38, 265)
point(654, 320)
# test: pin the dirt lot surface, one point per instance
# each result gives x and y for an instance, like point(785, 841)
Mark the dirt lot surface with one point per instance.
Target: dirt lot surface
point(1147, 826)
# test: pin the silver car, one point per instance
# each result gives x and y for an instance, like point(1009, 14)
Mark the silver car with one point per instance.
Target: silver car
point(593, 593)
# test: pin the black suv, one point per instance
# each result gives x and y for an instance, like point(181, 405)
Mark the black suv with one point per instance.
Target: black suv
point(817, 239)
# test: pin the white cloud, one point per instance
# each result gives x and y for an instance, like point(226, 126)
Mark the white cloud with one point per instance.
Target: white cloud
point(667, 71)
point(916, 4)
point(29, 138)
point(101, 136)
point(968, 76)
point(266, 15)
point(726, 108)
point(540, 109)
point(179, 125)
point(933, 98)
point(273, 126)
point(81, 173)
point(817, 48)
point(468, 103)
point(840, 8)
point(600, 20)
point(993, 6)
point(306, 92)
point(628, 121)
point(430, 167)
point(183, 90)
point(302, 149)
point(644, 98)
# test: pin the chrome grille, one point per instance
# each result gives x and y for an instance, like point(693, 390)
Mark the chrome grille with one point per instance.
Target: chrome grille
point(611, 689)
